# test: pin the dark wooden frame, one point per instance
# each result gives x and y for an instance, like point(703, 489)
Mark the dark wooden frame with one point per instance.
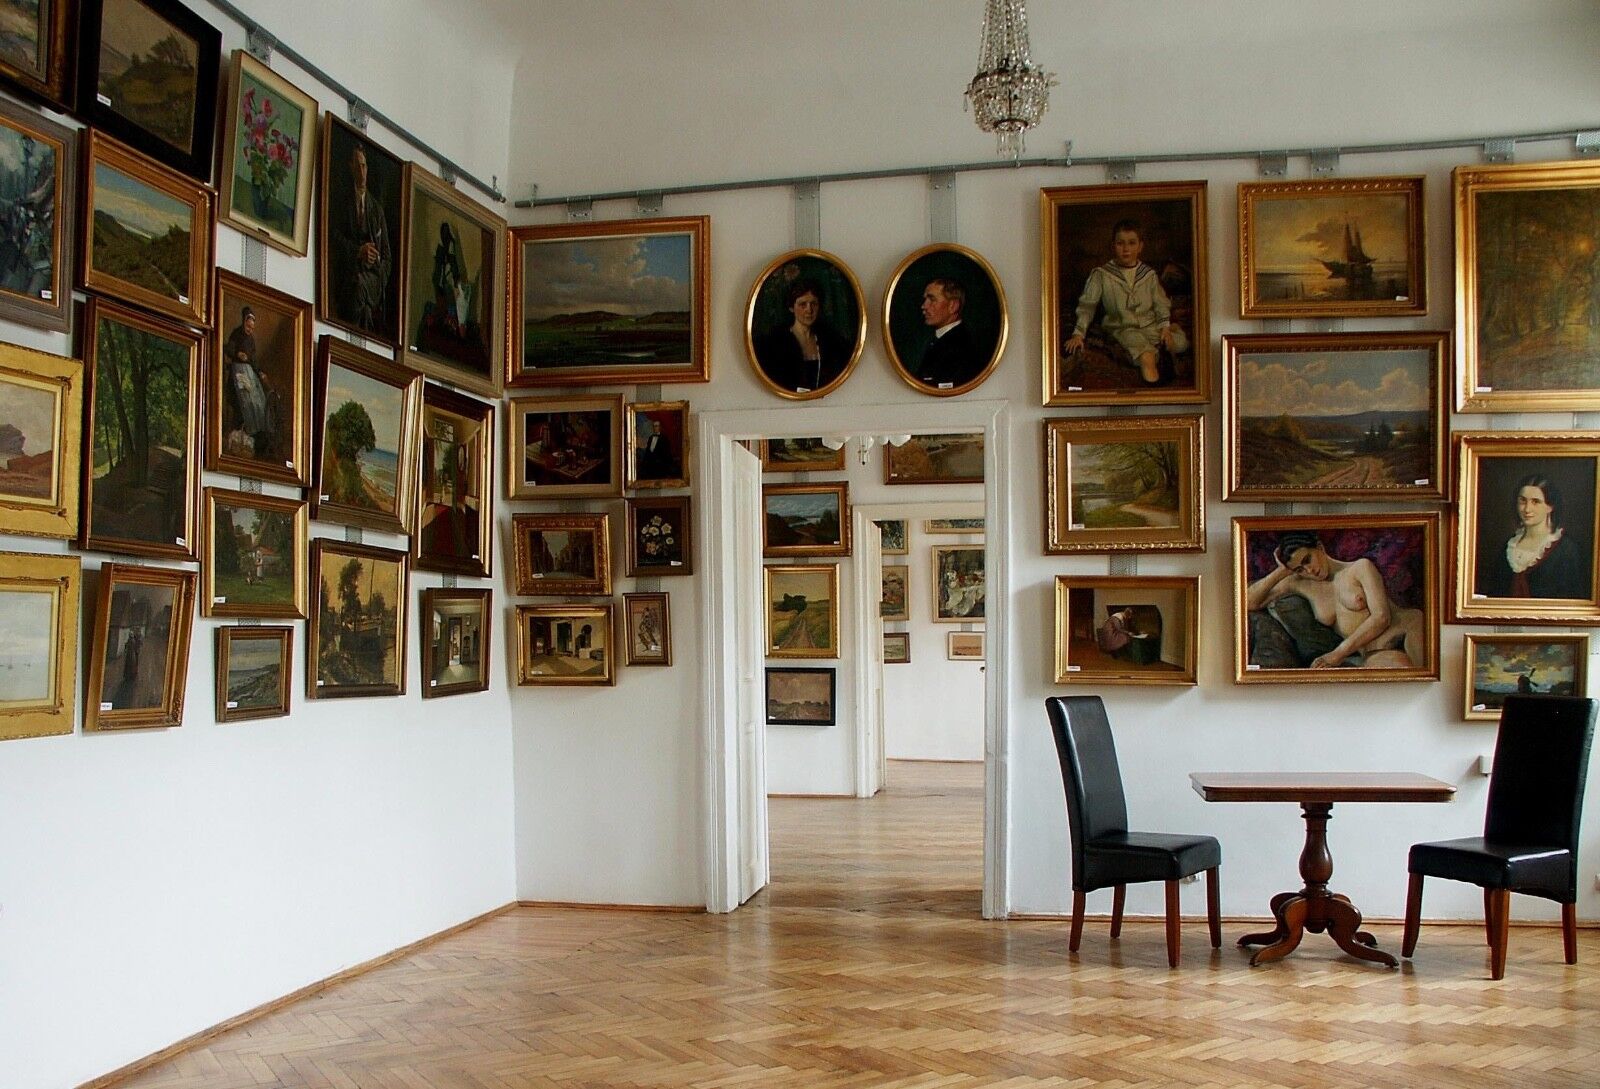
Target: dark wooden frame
point(840, 489)
point(681, 507)
point(296, 472)
point(175, 682)
point(436, 398)
point(55, 311)
point(226, 637)
point(316, 687)
point(833, 695)
point(432, 598)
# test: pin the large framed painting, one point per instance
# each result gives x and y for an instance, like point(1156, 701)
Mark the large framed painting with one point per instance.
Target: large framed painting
point(360, 198)
point(34, 55)
point(39, 623)
point(139, 648)
point(802, 610)
point(258, 404)
point(356, 637)
point(1501, 664)
point(935, 459)
point(1125, 294)
point(1527, 339)
point(958, 583)
point(1124, 483)
point(658, 444)
point(147, 233)
point(805, 455)
point(1527, 522)
point(609, 304)
point(38, 180)
point(1114, 629)
point(802, 696)
point(141, 464)
point(269, 145)
point(805, 324)
point(647, 617)
point(566, 645)
point(147, 74)
point(454, 528)
point(455, 642)
point(660, 532)
point(41, 442)
point(453, 286)
point(1334, 417)
point(895, 603)
point(1335, 248)
point(806, 519)
point(944, 320)
point(1336, 597)
point(562, 554)
point(253, 666)
point(892, 532)
point(564, 447)
point(367, 409)
point(253, 562)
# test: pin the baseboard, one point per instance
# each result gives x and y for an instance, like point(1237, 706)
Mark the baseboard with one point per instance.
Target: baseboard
point(572, 905)
point(1251, 920)
point(851, 797)
point(189, 1043)
point(928, 760)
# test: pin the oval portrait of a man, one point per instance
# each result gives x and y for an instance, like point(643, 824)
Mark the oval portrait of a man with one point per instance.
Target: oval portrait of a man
point(944, 320)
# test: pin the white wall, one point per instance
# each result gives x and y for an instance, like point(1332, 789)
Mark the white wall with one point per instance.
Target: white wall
point(156, 882)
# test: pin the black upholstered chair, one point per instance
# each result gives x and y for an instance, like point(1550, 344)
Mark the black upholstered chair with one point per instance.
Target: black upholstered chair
point(1104, 852)
point(1530, 830)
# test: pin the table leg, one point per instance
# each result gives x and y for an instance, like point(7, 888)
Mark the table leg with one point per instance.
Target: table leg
point(1294, 925)
point(1344, 926)
point(1279, 931)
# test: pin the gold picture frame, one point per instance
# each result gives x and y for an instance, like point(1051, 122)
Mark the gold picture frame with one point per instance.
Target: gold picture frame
point(1125, 483)
point(257, 143)
point(367, 410)
point(801, 455)
point(356, 633)
point(49, 76)
point(456, 641)
point(254, 665)
point(566, 645)
point(792, 590)
point(960, 583)
point(454, 524)
point(562, 554)
point(965, 646)
point(1492, 659)
point(39, 616)
point(41, 397)
point(941, 285)
point(260, 367)
point(564, 447)
point(657, 447)
point(41, 169)
point(253, 566)
point(1121, 629)
point(133, 684)
point(896, 648)
point(895, 603)
point(948, 458)
point(806, 519)
point(647, 619)
point(836, 321)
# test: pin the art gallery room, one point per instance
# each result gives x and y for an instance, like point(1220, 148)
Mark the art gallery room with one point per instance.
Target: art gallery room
point(799, 543)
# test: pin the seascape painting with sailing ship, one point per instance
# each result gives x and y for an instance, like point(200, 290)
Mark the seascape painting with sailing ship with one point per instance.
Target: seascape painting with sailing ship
point(1332, 247)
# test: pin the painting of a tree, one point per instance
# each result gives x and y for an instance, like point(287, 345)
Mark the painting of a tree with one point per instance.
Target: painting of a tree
point(350, 434)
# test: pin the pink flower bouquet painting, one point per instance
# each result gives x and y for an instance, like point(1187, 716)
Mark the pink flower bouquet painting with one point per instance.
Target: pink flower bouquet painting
point(266, 183)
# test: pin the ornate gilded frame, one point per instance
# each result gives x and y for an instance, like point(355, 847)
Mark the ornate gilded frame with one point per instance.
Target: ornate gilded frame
point(600, 615)
point(825, 576)
point(101, 714)
point(838, 489)
point(229, 710)
point(215, 604)
point(295, 470)
point(1063, 535)
point(407, 386)
point(62, 380)
point(518, 409)
point(60, 577)
point(1067, 667)
point(526, 527)
point(901, 367)
point(633, 413)
point(1577, 644)
point(859, 333)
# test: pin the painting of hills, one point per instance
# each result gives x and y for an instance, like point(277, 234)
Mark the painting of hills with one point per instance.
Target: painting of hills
point(140, 235)
point(148, 72)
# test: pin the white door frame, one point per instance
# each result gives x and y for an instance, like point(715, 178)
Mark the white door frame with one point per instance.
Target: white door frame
point(867, 722)
point(719, 749)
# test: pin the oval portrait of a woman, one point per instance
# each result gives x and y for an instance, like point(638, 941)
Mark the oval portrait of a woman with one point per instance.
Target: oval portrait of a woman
point(805, 324)
point(944, 320)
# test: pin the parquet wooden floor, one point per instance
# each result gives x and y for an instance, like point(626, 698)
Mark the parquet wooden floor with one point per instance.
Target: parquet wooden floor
point(865, 964)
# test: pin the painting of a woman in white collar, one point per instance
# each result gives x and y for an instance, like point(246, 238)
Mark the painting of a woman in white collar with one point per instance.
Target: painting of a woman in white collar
point(1542, 558)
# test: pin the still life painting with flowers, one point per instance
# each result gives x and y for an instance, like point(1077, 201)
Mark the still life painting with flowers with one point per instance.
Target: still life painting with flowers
point(270, 132)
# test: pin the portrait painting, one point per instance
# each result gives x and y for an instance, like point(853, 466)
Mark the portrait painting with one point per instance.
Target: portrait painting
point(253, 668)
point(38, 184)
point(660, 536)
point(958, 583)
point(1335, 416)
point(806, 519)
point(802, 610)
point(455, 650)
point(803, 455)
point(455, 502)
point(562, 553)
point(41, 427)
point(367, 410)
point(801, 696)
point(1124, 310)
point(896, 648)
point(565, 644)
point(139, 648)
point(1528, 333)
point(1336, 597)
point(648, 620)
point(358, 222)
point(141, 465)
point(944, 320)
point(1112, 629)
point(357, 633)
point(268, 152)
point(935, 459)
point(454, 285)
point(1503, 664)
point(964, 646)
point(893, 536)
point(896, 601)
point(610, 303)
point(564, 447)
point(1124, 483)
point(38, 643)
point(1333, 248)
point(259, 396)
point(658, 444)
point(147, 74)
point(952, 525)
point(805, 324)
point(252, 560)
point(34, 55)
point(1529, 522)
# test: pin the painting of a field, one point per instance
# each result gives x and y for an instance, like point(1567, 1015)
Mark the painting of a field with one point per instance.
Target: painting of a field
point(28, 414)
point(802, 621)
point(140, 235)
point(148, 71)
point(600, 302)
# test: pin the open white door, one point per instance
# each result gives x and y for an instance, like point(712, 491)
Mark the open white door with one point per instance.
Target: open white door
point(744, 479)
point(866, 617)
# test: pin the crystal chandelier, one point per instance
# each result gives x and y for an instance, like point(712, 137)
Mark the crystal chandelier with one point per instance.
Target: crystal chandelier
point(1010, 93)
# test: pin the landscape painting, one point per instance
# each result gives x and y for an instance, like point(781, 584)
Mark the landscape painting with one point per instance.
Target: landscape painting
point(958, 583)
point(38, 643)
point(36, 178)
point(33, 46)
point(952, 525)
point(806, 519)
point(801, 697)
point(896, 648)
point(802, 610)
point(1335, 416)
point(357, 629)
point(368, 406)
point(565, 644)
point(148, 71)
point(140, 235)
point(253, 673)
point(800, 456)
point(895, 603)
point(1124, 483)
point(28, 626)
point(1501, 665)
point(935, 459)
point(253, 549)
point(30, 420)
point(1126, 630)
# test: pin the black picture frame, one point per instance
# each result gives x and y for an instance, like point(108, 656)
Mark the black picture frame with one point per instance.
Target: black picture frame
point(809, 676)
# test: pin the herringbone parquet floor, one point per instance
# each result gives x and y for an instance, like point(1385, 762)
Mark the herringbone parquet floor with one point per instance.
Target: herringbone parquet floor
point(865, 964)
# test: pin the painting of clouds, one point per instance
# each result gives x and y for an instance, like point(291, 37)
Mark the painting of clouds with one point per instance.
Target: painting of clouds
point(1501, 666)
point(1352, 247)
point(140, 234)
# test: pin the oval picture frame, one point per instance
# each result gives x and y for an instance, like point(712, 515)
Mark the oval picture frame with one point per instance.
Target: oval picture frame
point(962, 358)
point(775, 354)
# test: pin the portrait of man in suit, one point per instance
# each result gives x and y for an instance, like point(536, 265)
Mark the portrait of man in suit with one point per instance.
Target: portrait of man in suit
point(946, 320)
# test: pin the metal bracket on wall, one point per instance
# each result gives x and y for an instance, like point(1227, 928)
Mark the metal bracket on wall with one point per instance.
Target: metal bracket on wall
point(1327, 325)
point(1277, 510)
point(942, 206)
point(1587, 143)
point(648, 586)
point(355, 338)
point(647, 393)
point(1499, 151)
point(1505, 421)
point(580, 211)
point(259, 44)
point(1325, 164)
point(1066, 154)
point(353, 534)
point(253, 259)
point(1586, 421)
point(249, 485)
point(448, 582)
point(1123, 563)
point(1332, 508)
point(1273, 164)
point(808, 215)
point(1121, 170)
point(358, 114)
point(448, 172)
point(650, 204)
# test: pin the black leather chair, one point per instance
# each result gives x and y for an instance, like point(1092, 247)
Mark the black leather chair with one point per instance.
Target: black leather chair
point(1104, 852)
point(1530, 830)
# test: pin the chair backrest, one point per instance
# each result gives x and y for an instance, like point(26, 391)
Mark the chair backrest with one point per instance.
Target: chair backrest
point(1541, 763)
point(1089, 771)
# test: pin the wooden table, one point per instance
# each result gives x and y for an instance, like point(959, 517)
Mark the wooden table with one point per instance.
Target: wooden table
point(1314, 908)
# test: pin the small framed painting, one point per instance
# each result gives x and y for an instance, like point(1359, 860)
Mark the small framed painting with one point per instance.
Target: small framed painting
point(660, 536)
point(952, 525)
point(806, 455)
point(935, 459)
point(1125, 483)
point(802, 610)
point(562, 553)
point(893, 534)
point(39, 175)
point(39, 624)
point(356, 639)
point(944, 320)
point(958, 583)
point(455, 642)
point(455, 499)
point(41, 409)
point(35, 57)
point(896, 601)
point(268, 152)
point(139, 648)
point(1501, 665)
point(648, 619)
point(801, 696)
point(258, 409)
point(359, 222)
point(964, 646)
point(658, 444)
point(253, 670)
point(805, 324)
point(1126, 629)
point(253, 559)
point(565, 645)
point(564, 447)
point(367, 410)
point(896, 648)
point(806, 519)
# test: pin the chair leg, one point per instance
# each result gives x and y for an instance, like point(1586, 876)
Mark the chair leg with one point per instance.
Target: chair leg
point(1214, 906)
point(1569, 931)
point(1077, 921)
point(1174, 930)
point(1119, 897)
point(1502, 925)
point(1408, 943)
point(1488, 917)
